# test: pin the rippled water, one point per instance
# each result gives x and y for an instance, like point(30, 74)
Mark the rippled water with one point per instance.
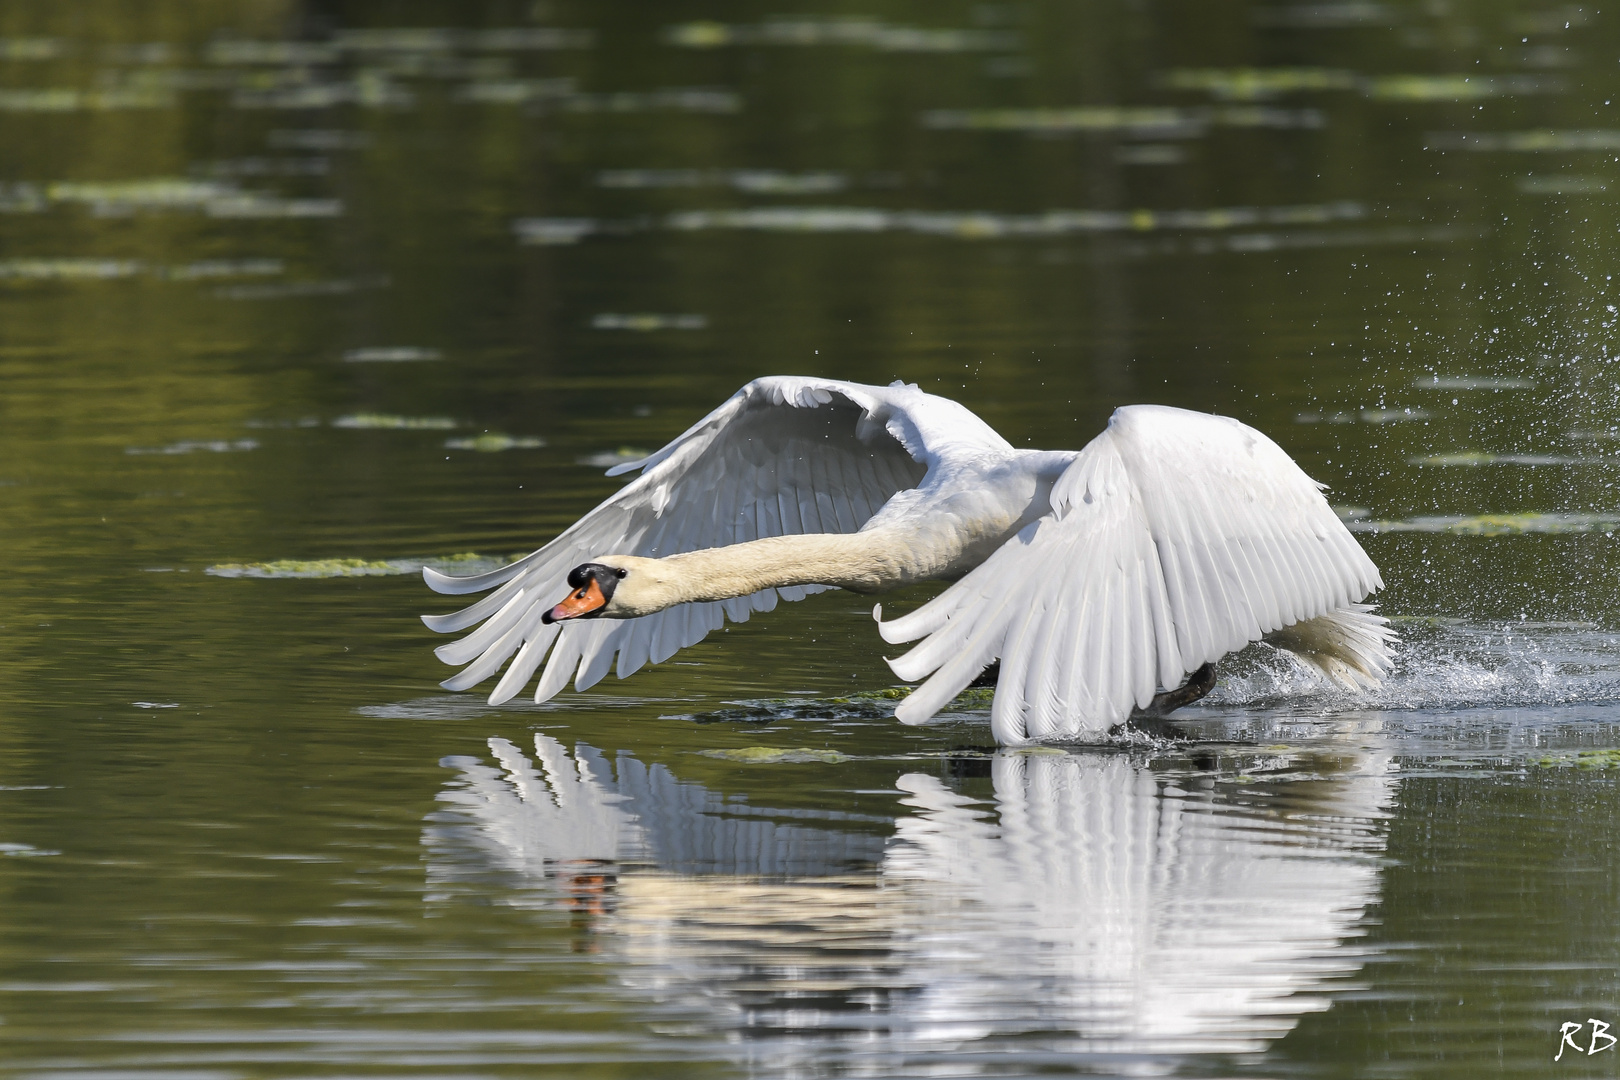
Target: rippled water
point(298, 298)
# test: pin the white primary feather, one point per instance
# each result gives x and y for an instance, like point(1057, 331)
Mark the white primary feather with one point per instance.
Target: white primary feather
point(1174, 538)
point(784, 455)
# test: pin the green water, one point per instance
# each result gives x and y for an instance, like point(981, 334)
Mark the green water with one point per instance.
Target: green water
point(292, 302)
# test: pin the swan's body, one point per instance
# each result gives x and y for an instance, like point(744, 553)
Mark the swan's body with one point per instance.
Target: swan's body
point(1094, 576)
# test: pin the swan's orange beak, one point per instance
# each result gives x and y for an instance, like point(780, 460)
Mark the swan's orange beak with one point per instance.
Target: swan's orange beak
point(580, 602)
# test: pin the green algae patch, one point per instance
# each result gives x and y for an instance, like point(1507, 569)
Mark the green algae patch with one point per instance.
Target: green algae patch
point(1495, 524)
point(390, 422)
point(1590, 760)
point(464, 564)
point(491, 444)
point(306, 568)
point(770, 755)
point(607, 459)
point(1480, 457)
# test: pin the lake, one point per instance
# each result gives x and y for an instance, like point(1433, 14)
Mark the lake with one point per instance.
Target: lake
point(296, 298)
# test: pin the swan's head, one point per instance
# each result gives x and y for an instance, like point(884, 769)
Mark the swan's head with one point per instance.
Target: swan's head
point(614, 587)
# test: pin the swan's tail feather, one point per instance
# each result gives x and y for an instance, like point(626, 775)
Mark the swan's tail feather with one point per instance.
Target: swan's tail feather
point(1349, 646)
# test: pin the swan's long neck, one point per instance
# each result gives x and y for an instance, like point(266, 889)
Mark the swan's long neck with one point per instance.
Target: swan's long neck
point(862, 562)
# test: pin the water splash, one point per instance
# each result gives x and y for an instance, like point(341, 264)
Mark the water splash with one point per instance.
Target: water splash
point(1442, 665)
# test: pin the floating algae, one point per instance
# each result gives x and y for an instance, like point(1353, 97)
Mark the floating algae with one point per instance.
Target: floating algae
point(212, 446)
point(1254, 84)
point(370, 89)
point(515, 91)
point(63, 100)
point(259, 166)
point(321, 139)
point(549, 231)
point(32, 48)
point(859, 33)
point(1584, 759)
point(1455, 87)
point(262, 207)
point(1471, 382)
point(766, 755)
point(390, 354)
point(1480, 457)
point(69, 269)
point(1392, 416)
point(216, 198)
point(1141, 121)
point(246, 53)
point(390, 422)
point(332, 287)
point(163, 192)
point(390, 39)
point(607, 459)
point(1561, 185)
point(1598, 139)
point(465, 563)
point(751, 181)
point(488, 443)
point(985, 225)
point(697, 99)
point(22, 198)
point(645, 323)
point(1365, 416)
point(223, 268)
point(1494, 524)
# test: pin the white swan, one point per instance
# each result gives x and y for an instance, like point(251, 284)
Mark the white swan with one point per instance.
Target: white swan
point(1094, 576)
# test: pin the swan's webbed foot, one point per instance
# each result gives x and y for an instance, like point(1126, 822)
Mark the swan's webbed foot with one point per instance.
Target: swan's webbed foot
point(1198, 684)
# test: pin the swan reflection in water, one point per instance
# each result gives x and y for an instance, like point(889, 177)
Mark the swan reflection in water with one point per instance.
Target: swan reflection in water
point(1095, 905)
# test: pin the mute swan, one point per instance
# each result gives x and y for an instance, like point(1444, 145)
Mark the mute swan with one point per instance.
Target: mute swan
point(1094, 577)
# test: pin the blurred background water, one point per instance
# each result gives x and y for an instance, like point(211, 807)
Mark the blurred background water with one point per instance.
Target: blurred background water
point(295, 297)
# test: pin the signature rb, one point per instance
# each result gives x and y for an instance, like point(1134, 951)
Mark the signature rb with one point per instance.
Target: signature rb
point(1600, 1032)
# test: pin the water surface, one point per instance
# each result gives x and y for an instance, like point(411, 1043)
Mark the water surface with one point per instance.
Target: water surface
point(296, 298)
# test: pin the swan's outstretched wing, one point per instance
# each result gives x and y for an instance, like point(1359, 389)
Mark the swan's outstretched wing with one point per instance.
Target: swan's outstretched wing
point(784, 455)
point(1174, 538)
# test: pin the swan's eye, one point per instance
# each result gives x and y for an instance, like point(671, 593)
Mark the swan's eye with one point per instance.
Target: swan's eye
point(621, 573)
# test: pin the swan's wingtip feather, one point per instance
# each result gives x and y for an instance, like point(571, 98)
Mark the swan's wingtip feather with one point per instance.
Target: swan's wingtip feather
point(897, 631)
point(438, 581)
point(913, 716)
